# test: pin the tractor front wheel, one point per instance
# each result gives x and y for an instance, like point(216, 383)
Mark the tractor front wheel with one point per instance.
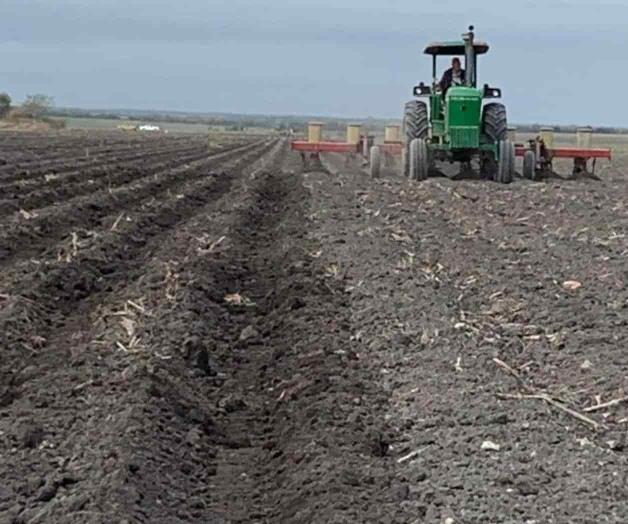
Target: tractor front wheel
point(529, 165)
point(419, 160)
point(506, 164)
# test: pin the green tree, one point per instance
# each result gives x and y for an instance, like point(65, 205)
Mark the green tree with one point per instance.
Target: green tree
point(5, 104)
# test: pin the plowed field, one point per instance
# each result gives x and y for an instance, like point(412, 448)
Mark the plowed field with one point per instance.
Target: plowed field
point(194, 333)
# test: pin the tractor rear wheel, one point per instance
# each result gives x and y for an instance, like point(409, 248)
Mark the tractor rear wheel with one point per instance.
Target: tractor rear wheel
point(416, 124)
point(418, 159)
point(529, 165)
point(495, 122)
point(506, 164)
point(375, 160)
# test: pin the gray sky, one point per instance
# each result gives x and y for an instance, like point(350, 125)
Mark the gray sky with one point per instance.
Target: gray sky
point(326, 57)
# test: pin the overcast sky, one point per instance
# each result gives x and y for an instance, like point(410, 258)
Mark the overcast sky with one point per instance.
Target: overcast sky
point(317, 57)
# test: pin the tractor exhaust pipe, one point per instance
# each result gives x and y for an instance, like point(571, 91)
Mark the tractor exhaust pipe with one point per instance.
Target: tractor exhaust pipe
point(469, 51)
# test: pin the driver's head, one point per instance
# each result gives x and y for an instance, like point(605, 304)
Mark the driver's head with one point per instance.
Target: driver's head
point(455, 64)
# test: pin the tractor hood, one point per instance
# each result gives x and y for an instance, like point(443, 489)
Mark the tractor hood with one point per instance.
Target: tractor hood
point(463, 110)
point(464, 92)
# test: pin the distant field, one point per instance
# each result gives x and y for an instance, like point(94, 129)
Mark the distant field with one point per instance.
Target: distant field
point(617, 142)
point(171, 127)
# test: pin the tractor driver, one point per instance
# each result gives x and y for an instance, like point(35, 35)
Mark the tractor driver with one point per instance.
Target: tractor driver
point(454, 76)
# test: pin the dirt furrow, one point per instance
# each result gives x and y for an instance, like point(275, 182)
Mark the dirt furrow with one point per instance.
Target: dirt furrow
point(55, 286)
point(59, 188)
point(117, 473)
point(294, 404)
point(28, 235)
point(40, 173)
point(33, 162)
point(256, 408)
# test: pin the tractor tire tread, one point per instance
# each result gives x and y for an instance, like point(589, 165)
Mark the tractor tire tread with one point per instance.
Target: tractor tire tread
point(415, 120)
point(419, 161)
point(416, 124)
point(506, 165)
point(529, 165)
point(495, 122)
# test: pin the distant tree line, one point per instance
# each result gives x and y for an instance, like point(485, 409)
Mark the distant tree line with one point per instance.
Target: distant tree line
point(34, 108)
point(235, 122)
point(231, 122)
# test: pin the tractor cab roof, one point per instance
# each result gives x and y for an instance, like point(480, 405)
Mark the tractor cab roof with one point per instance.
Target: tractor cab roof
point(454, 48)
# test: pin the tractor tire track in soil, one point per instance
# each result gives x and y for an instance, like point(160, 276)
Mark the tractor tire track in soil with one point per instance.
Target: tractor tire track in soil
point(294, 400)
point(267, 345)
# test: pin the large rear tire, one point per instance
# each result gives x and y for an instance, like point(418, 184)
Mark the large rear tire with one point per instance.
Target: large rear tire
point(416, 124)
point(495, 122)
point(506, 164)
point(418, 159)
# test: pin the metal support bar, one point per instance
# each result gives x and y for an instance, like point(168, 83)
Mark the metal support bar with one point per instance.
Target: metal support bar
point(569, 152)
point(468, 39)
point(325, 147)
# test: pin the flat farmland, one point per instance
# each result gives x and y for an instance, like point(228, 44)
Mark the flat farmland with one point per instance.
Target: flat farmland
point(195, 331)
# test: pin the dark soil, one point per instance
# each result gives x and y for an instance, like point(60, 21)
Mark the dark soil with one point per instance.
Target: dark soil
point(215, 336)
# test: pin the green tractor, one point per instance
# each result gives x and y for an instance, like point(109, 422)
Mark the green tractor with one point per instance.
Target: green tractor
point(458, 127)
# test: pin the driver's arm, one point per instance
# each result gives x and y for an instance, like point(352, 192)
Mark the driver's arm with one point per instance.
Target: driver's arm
point(445, 81)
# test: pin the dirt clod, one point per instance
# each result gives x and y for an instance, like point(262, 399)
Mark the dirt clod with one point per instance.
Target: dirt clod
point(48, 491)
point(248, 333)
point(31, 435)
